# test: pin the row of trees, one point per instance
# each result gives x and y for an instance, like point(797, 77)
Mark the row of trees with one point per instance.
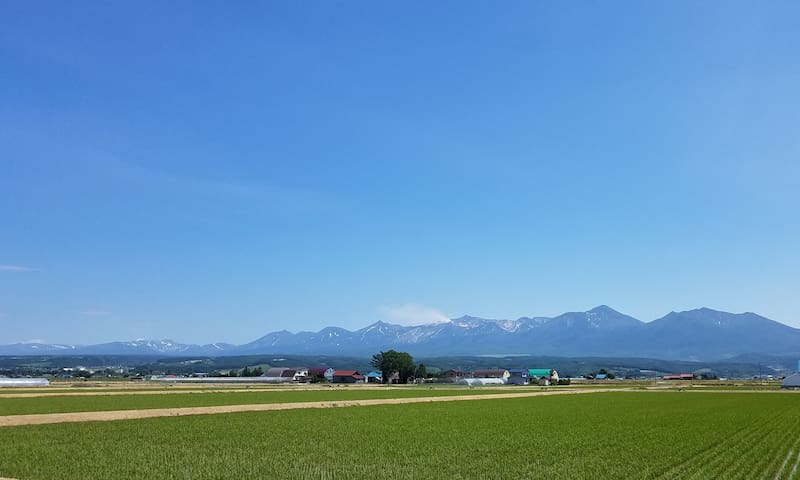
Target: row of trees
point(245, 372)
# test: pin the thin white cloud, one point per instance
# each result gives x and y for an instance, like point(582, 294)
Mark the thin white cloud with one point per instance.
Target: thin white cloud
point(95, 313)
point(16, 268)
point(412, 314)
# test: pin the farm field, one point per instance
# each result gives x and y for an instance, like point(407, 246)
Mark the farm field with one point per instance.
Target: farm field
point(595, 435)
point(737, 386)
point(102, 402)
point(110, 387)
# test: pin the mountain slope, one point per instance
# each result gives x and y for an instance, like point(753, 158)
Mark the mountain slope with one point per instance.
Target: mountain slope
point(702, 334)
point(705, 332)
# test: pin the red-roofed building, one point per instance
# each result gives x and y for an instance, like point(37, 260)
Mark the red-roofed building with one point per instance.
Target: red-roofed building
point(347, 376)
point(501, 373)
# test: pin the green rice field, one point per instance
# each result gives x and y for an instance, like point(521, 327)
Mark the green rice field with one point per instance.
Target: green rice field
point(650, 435)
point(97, 403)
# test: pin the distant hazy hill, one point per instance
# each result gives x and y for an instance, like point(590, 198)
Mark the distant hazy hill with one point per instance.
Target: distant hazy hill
point(701, 334)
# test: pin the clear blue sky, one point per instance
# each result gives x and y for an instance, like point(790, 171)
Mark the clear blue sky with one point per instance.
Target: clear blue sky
point(205, 171)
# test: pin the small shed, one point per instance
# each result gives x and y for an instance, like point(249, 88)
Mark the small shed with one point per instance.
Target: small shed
point(518, 376)
point(792, 381)
point(374, 377)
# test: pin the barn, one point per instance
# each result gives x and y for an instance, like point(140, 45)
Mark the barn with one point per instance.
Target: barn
point(500, 373)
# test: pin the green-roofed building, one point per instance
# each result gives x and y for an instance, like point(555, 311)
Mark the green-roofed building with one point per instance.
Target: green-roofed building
point(546, 375)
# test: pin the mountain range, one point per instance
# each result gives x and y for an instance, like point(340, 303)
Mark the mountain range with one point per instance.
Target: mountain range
point(701, 334)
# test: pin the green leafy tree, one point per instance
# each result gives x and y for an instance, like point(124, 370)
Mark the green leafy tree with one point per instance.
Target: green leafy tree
point(421, 372)
point(391, 362)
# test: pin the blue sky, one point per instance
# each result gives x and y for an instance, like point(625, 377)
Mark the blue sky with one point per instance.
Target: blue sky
point(211, 172)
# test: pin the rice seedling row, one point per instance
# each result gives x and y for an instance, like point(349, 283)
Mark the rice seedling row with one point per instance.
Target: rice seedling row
point(599, 435)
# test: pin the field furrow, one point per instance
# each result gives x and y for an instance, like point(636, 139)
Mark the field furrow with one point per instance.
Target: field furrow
point(770, 460)
point(794, 473)
point(710, 455)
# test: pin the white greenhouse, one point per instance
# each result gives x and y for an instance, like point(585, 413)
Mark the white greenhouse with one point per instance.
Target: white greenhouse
point(24, 382)
point(159, 378)
point(792, 381)
point(481, 381)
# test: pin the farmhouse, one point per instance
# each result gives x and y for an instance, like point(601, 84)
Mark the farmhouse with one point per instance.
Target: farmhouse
point(317, 372)
point(374, 377)
point(300, 375)
point(544, 376)
point(679, 376)
point(347, 376)
point(792, 381)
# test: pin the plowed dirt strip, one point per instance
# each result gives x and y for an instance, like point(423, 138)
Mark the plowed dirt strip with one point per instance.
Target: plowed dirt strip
point(41, 419)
